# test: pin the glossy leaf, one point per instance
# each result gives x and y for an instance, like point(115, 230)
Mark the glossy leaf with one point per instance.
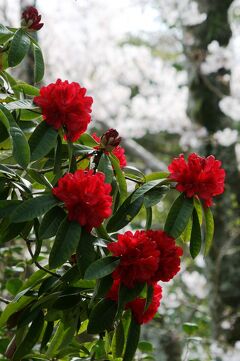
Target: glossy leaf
point(33, 208)
point(154, 196)
point(26, 89)
point(65, 243)
point(196, 236)
point(5, 34)
point(85, 251)
point(132, 340)
point(209, 229)
point(178, 216)
point(120, 177)
point(38, 64)
point(50, 222)
point(101, 268)
point(42, 140)
point(105, 167)
point(102, 316)
point(144, 189)
point(19, 47)
point(118, 341)
point(125, 214)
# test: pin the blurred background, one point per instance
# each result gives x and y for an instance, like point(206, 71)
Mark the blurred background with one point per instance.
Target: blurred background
point(166, 75)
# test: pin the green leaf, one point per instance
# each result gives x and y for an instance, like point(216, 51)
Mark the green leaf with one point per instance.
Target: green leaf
point(21, 151)
point(42, 140)
point(9, 231)
point(13, 285)
point(31, 338)
point(86, 139)
point(178, 216)
point(156, 175)
point(19, 47)
point(120, 177)
point(153, 197)
point(39, 178)
point(144, 189)
point(13, 307)
point(148, 218)
point(7, 206)
point(199, 210)
point(150, 291)
point(65, 243)
point(105, 167)
point(209, 232)
point(132, 340)
point(85, 251)
point(5, 34)
point(47, 335)
point(196, 236)
point(102, 316)
point(125, 214)
point(126, 295)
point(26, 89)
point(21, 104)
point(38, 64)
point(186, 235)
point(33, 208)
point(50, 222)
point(118, 341)
point(101, 268)
point(4, 120)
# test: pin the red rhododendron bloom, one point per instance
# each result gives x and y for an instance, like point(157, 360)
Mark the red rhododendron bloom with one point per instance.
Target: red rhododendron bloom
point(146, 256)
point(138, 305)
point(138, 258)
point(65, 105)
point(31, 19)
point(198, 176)
point(169, 259)
point(86, 197)
point(118, 151)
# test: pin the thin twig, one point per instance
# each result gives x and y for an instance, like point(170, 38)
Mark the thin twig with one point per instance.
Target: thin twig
point(37, 264)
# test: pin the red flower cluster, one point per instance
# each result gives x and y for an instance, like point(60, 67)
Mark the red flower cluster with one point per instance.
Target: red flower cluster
point(31, 19)
point(86, 197)
point(145, 256)
point(118, 151)
point(137, 306)
point(65, 105)
point(198, 176)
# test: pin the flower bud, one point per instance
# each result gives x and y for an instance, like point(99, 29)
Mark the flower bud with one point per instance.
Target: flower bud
point(31, 19)
point(110, 140)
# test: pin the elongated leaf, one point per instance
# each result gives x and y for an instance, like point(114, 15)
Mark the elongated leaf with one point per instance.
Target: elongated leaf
point(5, 34)
point(21, 151)
point(13, 307)
point(8, 206)
point(85, 251)
point(47, 335)
point(209, 232)
point(38, 64)
point(50, 222)
point(86, 139)
point(4, 120)
point(127, 295)
point(186, 235)
point(39, 178)
point(124, 214)
point(156, 175)
point(26, 88)
point(10, 231)
point(19, 47)
point(199, 210)
point(102, 316)
point(31, 338)
point(120, 177)
point(154, 196)
point(144, 189)
point(33, 208)
point(118, 341)
point(106, 167)
point(150, 291)
point(42, 140)
point(132, 340)
point(65, 243)
point(196, 237)
point(178, 216)
point(21, 104)
point(101, 268)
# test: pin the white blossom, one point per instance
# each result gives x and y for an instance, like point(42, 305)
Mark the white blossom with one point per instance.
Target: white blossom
point(226, 137)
